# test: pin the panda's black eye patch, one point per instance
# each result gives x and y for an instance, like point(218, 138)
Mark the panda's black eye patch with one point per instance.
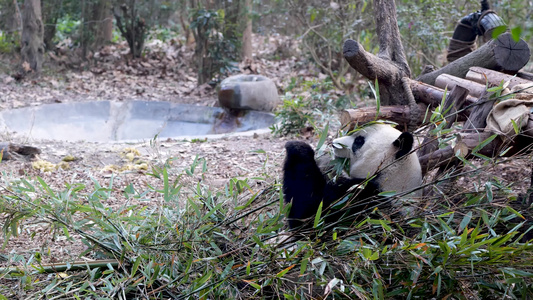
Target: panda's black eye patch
point(358, 142)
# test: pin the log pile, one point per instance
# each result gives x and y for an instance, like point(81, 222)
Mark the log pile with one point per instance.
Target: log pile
point(465, 102)
point(463, 84)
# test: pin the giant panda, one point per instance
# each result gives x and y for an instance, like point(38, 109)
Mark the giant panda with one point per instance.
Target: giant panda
point(377, 152)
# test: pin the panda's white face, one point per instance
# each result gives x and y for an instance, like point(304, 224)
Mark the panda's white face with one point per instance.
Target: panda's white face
point(373, 149)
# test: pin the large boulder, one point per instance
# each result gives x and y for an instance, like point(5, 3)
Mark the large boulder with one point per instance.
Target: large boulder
point(254, 92)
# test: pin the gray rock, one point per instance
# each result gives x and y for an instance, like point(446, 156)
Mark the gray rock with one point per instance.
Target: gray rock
point(252, 92)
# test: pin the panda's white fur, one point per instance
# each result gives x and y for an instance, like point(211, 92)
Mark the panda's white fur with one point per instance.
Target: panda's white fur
point(378, 156)
point(376, 151)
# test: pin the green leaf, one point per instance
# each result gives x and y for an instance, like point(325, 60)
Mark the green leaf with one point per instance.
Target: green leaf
point(385, 226)
point(318, 214)
point(515, 127)
point(365, 3)
point(375, 91)
point(166, 188)
point(484, 143)
point(305, 261)
point(387, 193)
point(498, 30)
point(255, 285)
point(284, 271)
point(515, 212)
point(323, 137)
point(465, 221)
point(314, 13)
point(488, 191)
point(204, 278)
point(495, 89)
point(515, 33)
point(135, 266)
point(516, 272)
point(377, 289)
point(247, 203)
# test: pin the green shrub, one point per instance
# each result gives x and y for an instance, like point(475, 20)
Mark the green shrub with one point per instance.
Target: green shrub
point(8, 43)
point(314, 103)
point(67, 28)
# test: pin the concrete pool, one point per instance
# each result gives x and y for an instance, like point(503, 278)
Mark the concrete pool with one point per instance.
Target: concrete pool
point(102, 121)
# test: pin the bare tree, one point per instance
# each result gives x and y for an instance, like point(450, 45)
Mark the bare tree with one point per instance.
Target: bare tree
point(131, 25)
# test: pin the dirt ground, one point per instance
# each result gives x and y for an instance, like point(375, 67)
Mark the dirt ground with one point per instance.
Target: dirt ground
point(162, 76)
point(226, 158)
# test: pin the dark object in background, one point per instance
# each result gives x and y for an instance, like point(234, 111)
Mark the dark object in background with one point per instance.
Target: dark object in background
point(13, 151)
point(480, 23)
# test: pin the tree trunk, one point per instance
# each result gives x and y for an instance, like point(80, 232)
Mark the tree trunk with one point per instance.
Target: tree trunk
point(525, 75)
point(232, 19)
point(51, 14)
point(132, 27)
point(96, 21)
point(443, 156)
point(247, 49)
point(501, 54)
point(390, 65)
point(10, 17)
point(32, 36)
point(107, 26)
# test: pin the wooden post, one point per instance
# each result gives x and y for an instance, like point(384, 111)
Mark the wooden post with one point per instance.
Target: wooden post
point(390, 65)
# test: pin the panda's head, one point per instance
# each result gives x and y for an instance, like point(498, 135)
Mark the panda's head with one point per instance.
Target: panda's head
point(380, 149)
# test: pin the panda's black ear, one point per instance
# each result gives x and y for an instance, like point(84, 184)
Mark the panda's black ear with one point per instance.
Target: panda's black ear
point(404, 143)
